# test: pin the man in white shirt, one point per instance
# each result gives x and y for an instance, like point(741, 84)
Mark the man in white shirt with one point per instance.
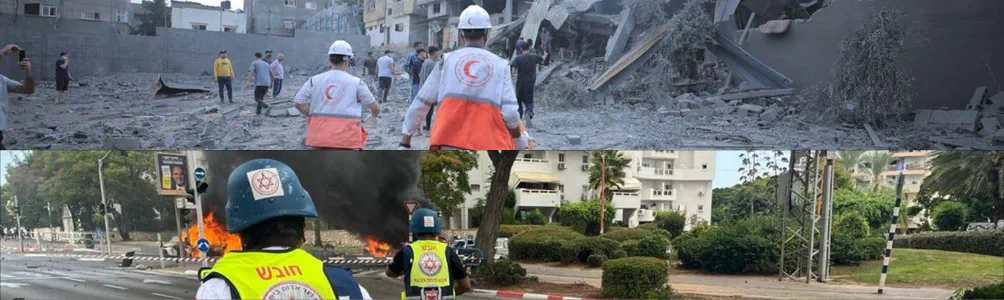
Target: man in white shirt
point(385, 70)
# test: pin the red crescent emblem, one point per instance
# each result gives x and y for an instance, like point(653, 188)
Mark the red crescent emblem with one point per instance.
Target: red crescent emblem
point(467, 69)
point(327, 92)
point(469, 22)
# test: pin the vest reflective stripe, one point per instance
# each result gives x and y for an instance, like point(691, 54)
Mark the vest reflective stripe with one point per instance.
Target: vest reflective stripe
point(335, 132)
point(470, 124)
point(265, 275)
point(429, 269)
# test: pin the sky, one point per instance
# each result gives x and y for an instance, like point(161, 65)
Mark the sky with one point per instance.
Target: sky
point(7, 158)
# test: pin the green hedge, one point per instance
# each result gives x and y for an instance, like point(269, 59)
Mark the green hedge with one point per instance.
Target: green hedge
point(547, 243)
point(508, 231)
point(986, 242)
point(650, 246)
point(636, 233)
point(844, 250)
point(633, 277)
point(503, 273)
point(990, 291)
point(596, 245)
point(568, 251)
point(873, 247)
point(745, 246)
point(596, 260)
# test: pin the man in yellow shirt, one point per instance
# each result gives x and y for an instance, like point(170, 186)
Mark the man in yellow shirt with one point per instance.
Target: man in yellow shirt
point(223, 72)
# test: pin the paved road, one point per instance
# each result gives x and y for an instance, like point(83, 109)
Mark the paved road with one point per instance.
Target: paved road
point(40, 276)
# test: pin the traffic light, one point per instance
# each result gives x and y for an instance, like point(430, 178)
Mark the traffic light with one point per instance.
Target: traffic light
point(200, 186)
point(101, 209)
point(186, 216)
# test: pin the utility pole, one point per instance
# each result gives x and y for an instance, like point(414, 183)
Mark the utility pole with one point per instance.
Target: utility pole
point(826, 219)
point(17, 210)
point(198, 199)
point(603, 180)
point(52, 235)
point(104, 201)
point(892, 227)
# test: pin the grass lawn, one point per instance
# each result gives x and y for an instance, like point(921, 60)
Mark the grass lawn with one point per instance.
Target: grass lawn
point(931, 268)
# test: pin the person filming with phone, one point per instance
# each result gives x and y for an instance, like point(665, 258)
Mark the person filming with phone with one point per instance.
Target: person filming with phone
point(8, 85)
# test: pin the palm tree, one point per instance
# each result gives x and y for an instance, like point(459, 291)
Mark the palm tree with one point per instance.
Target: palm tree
point(876, 162)
point(615, 163)
point(968, 173)
point(852, 161)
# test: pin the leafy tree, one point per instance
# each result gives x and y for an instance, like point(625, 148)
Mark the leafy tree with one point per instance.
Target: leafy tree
point(967, 175)
point(743, 200)
point(444, 177)
point(615, 162)
point(671, 221)
point(157, 15)
point(842, 179)
point(488, 231)
point(851, 224)
point(23, 182)
point(950, 216)
point(876, 162)
point(584, 217)
point(851, 159)
point(875, 207)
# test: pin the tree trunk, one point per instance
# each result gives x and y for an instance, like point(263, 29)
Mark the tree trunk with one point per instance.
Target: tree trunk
point(87, 218)
point(120, 223)
point(317, 232)
point(495, 203)
point(995, 178)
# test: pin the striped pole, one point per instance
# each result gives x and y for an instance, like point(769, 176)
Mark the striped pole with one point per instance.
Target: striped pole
point(892, 227)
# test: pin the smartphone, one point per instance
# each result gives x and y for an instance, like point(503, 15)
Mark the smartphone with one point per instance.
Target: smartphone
point(20, 55)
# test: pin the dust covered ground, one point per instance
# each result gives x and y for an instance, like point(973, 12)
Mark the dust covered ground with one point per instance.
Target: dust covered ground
point(119, 111)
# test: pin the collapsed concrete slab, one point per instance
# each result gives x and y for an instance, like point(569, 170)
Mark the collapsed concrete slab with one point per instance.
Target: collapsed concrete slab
point(750, 110)
point(617, 42)
point(979, 98)
point(955, 119)
point(990, 126)
point(165, 89)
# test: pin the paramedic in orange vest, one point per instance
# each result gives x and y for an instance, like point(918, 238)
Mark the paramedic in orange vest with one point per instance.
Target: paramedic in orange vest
point(333, 103)
point(473, 93)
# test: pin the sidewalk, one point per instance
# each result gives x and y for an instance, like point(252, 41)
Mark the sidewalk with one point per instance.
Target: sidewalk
point(118, 248)
point(745, 286)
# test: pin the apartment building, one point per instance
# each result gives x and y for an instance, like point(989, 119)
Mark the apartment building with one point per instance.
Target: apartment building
point(914, 171)
point(433, 22)
point(655, 181)
point(281, 17)
point(191, 15)
point(92, 10)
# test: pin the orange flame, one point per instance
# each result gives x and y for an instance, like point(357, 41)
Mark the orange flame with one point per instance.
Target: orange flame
point(220, 241)
point(377, 248)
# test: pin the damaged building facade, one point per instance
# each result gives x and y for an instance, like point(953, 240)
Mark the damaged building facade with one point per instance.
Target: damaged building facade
point(433, 22)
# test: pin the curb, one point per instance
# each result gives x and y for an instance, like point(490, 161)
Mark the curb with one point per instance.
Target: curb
point(330, 260)
point(522, 295)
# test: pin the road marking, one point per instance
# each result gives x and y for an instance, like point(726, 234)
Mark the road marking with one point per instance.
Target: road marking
point(90, 259)
point(29, 274)
point(12, 284)
point(74, 279)
point(4, 276)
point(115, 286)
point(36, 255)
point(156, 281)
point(165, 296)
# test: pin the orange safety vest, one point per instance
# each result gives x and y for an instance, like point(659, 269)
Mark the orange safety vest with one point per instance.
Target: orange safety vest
point(469, 114)
point(335, 120)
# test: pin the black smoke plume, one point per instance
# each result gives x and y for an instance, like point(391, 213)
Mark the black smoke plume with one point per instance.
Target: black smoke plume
point(362, 192)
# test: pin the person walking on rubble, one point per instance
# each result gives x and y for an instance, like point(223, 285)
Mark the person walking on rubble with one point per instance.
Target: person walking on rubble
point(261, 77)
point(333, 103)
point(472, 87)
point(525, 66)
point(267, 206)
point(223, 72)
point(278, 74)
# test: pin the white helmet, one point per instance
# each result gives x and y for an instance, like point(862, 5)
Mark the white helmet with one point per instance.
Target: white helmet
point(475, 17)
point(340, 47)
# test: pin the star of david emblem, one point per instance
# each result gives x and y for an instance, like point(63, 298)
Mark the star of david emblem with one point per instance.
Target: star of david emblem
point(265, 182)
point(430, 264)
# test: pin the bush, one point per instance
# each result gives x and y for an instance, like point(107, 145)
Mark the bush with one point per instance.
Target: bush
point(990, 291)
point(845, 251)
point(950, 216)
point(508, 231)
point(596, 245)
point(872, 247)
point(568, 252)
point(543, 243)
point(671, 221)
point(630, 247)
point(584, 217)
point(660, 293)
point(651, 246)
point(596, 260)
point(620, 253)
point(730, 251)
point(633, 277)
point(636, 233)
point(980, 242)
point(534, 217)
point(852, 224)
point(688, 250)
point(503, 273)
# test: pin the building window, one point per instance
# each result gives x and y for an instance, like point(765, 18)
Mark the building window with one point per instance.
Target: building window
point(525, 155)
point(36, 9)
point(390, 11)
point(561, 187)
point(229, 28)
point(700, 208)
point(90, 16)
point(585, 159)
point(198, 26)
point(122, 17)
point(561, 157)
point(437, 8)
point(475, 187)
point(289, 24)
point(290, 3)
point(704, 166)
point(667, 186)
point(371, 5)
point(310, 5)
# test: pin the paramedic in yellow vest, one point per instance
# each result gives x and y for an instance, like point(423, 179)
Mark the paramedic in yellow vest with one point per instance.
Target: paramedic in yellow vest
point(333, 103)
point(266, 207)
point(432, 270)
point(473, 93)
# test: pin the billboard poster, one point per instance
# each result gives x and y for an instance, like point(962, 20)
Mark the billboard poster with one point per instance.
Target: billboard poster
point(173, 173)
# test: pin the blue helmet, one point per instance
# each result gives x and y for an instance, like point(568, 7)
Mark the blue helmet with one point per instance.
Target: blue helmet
point(425, 220)
point(262, 189)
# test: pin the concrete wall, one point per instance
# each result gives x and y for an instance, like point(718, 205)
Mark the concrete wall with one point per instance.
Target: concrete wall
point(267, 16)
point(964, 44)
point(99, 49)
point(182, 18)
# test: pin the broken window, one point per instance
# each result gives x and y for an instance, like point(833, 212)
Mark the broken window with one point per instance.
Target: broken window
point(37, 9)
point(399, 27)
point(198, 26)
point(122, 17)
point(437, 8)
point(310, 5)
point(229, 28)
point(290, 3)
point(371, 5)
point(289, 24)
point(585, 159)
point(90, 16)
point(390, 11)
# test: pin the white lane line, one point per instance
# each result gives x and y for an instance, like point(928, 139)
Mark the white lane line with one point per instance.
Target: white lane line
point(36, 255)
point(4, 275)
point(156, 281)
point(165, 296)
point(115, 286)
point(74, 279)
point(29, 274)
point(91, 259)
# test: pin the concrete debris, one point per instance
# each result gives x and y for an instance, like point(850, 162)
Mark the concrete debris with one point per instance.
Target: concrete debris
point(770, 114)
point(750, 110)
point(999, 136)
point(954, 119)
point(121, 144)
point(293, 112)
point(990, 126)
point(775, 27)
point(979, 98)
point(41, 146)
point(574, 139)
point(165, 89)
point(996, 104)
point(875, 139)
point(79, 135)
point(758, 94)
point(211, 109)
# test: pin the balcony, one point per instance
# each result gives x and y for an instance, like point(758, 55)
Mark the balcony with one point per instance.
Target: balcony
point(898, 154)
point(696, 174)
point(627, 200)
point(646, 215)
point(655, 173)
point(909, 169)
point(660, 195)
point(532, 165)
point(537, 198)
point(660, 154)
